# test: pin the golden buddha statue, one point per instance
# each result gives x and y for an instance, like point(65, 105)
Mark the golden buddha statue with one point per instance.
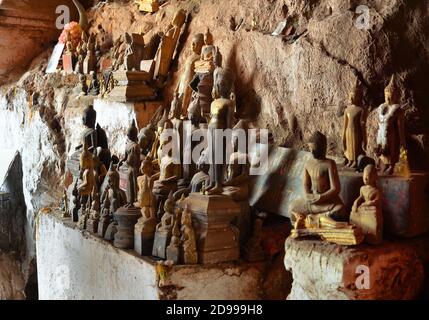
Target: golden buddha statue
point(391, 131)
point(366, 212)
point(402, 167)
point(209, 55)
point(168, 44)
point(221, 118)
point(354, 136)
point(183, 89)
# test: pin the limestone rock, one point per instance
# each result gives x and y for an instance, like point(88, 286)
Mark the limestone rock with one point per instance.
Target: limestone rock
point(326, 271)
point(12, 284)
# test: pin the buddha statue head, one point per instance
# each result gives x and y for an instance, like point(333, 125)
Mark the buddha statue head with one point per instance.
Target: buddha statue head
point(370, 175)
point(86, 159)
point(169, 204)
point(179, 19)
point(356, 95)
point(197, 43)
point(133, 132)
point(223, 83)
point(113, 177)
point(89, 117)
point(391, 93)
point(318, 145)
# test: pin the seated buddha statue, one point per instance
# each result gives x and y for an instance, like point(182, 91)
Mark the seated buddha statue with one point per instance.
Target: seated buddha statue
point(366, 212)
point(236, 185)
point(321, 204)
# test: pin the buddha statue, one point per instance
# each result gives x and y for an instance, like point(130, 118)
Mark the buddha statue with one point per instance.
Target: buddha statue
point(183, 89)
point(144, 230)
point(321, 185)
point(83, 84)
point(132, 159)
point(321, 212)
point(402, 167)
point(170, 173)
point(94, 87)
point(168, 45)
point(354, 135)
point(391, 132)
point(366, 212)
point(173, 250)
point(174, 116)
point(199, 180)
point(94, 213)
point(209, 59)
point(236, 185)
point(221, 118)
point(89, 135)
point(117, 199)
point(164, 229)
point(188, 240)
point(87, 179)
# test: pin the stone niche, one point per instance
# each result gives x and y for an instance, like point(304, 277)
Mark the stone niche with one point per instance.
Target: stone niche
point(74, 264)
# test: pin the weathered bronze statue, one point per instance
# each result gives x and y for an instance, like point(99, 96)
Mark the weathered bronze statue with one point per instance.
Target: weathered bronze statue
point(321, 184)
point(321, 212)
point(391, 132)
point(164, 229)
point(236, 185)
point(132, 159)
point(183, 89)
point(366, 213)
point(354, 134)
point(86, 182)
point(94, 86)
point(147, 138)
point(222, 116)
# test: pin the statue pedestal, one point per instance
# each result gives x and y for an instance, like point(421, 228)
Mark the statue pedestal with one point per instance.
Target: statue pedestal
point(217, 237)
point(160, 244)
point(144, 238)
point(127, 218)
point(391, 271)
point(131, 86)
point(92, 224)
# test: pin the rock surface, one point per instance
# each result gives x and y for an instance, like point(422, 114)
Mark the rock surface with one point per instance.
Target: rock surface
point(324, 271)
point(12, 284)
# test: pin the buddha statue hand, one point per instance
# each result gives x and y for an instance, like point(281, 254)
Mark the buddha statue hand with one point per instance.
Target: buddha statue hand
point(313, 198)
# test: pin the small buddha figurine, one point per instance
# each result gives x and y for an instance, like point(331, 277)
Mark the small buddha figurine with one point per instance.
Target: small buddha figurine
point(132, 159)
point(222, 116)
point(84, 86)
point(87, 179)
point(173, 250)
point(354, 136)
point(65, 205)
point(94, 87)
point(366, 212)
point(117, 199)
point(144, 230)
point(402, 167)
point(164, 229)
point(174, 116)
point(237, 184)
point(170, 173)
point(94, 213)
point(168, 45)
point(189, 243)
point(209, 55)
point(322, 189)
point(78, 69)
point(104, 218)
point(183, 89)
point(391, 132)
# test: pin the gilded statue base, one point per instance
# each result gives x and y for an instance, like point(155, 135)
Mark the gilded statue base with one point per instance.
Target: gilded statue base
point(348, 236)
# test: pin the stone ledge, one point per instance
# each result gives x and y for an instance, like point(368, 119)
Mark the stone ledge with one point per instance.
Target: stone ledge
point(74, 264)
point(328, 271)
